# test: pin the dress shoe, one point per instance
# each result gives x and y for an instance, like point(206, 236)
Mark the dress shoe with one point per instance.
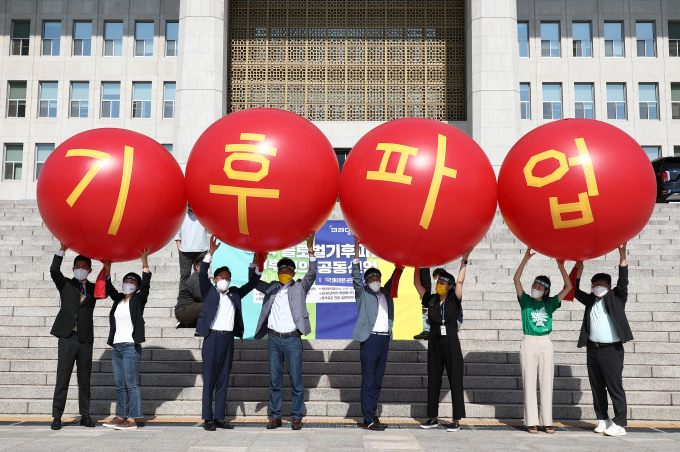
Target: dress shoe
point(223, 424)
point(274, 423)
point(209, 426)
point(424, 335)
point(297, 424)
point(86, 421)
point(56, 424)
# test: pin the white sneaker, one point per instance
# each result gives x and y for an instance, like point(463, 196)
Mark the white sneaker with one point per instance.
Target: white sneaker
point(603, 425)
point(615, 430)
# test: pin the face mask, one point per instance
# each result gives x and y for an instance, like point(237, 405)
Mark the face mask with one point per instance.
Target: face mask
point(537, 293)
point(374, 286)
point(285, 278)
point(129, 288)
point(441, 289)
point(80, 274)
point(600, 291)
point(223, 285)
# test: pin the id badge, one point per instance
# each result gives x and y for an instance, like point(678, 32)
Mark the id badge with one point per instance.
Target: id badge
point(443, 330)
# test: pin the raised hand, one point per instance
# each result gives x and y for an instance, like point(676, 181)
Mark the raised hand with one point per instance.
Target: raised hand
point(310, 240)
point(213, 245)
point(467, 253)
point(528, 255)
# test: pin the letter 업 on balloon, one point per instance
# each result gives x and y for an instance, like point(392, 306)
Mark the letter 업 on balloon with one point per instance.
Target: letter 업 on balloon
point(557, 209)
point(440, 170)
point(246, 152)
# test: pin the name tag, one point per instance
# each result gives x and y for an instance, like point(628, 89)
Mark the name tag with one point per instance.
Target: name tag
point(443, 330)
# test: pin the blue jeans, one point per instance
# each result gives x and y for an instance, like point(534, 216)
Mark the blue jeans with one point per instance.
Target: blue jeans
point(288, 350)
point(126, 375)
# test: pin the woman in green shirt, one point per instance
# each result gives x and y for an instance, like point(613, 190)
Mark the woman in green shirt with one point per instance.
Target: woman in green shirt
point(536, 354)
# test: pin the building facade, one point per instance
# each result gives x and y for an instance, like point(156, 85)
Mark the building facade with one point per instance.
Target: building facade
point(496, 69)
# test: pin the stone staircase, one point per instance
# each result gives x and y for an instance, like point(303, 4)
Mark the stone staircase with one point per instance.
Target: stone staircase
point(171, 363)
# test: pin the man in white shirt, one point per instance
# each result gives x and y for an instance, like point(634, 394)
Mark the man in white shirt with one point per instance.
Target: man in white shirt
point(374, 331)
point(192, 245)
point(219, 321)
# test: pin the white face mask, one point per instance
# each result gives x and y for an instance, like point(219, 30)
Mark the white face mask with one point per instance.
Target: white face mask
point(374, 286)
point(537, 293)
point(223, 285)
point(80, 274)
point(600, 291)
point(129, 288)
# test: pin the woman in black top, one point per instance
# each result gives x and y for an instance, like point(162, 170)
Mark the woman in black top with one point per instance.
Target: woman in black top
point(443, 347)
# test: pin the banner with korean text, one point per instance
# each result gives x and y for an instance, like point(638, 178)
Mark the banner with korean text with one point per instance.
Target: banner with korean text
point(330, 303)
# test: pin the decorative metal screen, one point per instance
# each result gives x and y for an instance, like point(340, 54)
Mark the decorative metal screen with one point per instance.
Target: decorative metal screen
point(347, 60)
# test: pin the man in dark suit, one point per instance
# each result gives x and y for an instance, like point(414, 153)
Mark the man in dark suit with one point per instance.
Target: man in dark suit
point(220, 320)
point(73, 327)
point(604, 330)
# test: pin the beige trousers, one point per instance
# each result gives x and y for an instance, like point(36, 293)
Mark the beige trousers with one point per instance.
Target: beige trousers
point(537, 360)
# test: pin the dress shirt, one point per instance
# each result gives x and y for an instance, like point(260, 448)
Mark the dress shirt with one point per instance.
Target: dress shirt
point(602, 329)
point(224, 318)
point(280, 317)
point(381, 322)
point(192, 235)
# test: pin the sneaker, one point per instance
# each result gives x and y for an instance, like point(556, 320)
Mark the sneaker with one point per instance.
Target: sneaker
point(603, 425)
point(126, 425)
point(430, 424)
point(179, 325)
point(424, 335)
point(115, 421)
point(452, 427)
point(615, 430)
point(375, 426)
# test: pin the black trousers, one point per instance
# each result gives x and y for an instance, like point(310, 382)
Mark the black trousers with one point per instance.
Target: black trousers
point(72, 351)
point(605, 371)
point(443, 352)
point(186, 263)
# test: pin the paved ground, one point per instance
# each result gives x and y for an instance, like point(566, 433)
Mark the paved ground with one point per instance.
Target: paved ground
point(171, 438)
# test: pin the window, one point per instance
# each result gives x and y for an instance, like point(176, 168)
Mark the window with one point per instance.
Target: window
point(644, 31)
point(144, 39)
point(674, 39)
point(552, 101)
point(82, 38)
point(171, 33)
point(675, 100)
point(523, 37)
point(648, 101)
point(169, 96)
point(80, 94)
point(616, 101)
point(111, 100)
point(168, 147)
point(550, 40)
point(676, 151)
point(113, 39)
point(21, 32)
point(42, 151)
point(583, 95)
point(141, 100)
point(525, 100)
point(653, 152)
point(582, 39)
point(51, 38)
point(14, 154)
point(48, 99)
point(17, 100)
point(341, 154)
point(613, 39)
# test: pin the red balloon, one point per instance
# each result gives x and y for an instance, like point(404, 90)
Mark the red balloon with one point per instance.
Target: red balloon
point(110, 193)
point(261, 179)
point(418, 192)
point(576, 189)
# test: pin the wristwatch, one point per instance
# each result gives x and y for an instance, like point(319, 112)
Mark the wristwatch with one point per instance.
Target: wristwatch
point(464, 261)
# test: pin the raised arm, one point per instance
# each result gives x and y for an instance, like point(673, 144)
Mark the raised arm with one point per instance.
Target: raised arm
point(143, 293)
point(310, 277)
point(580, 295)
point(356, 271)
point(518, 274)
point(388, 284)
point(253, 279)
point(55, 269)
point(417, 281)
point(622, 283)
point(565, 278)
point(461, 273)
point(110, 288)
point(203, 277)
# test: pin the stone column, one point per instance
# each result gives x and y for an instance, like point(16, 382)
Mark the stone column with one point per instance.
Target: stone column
point(493, 76)
point(201, 71)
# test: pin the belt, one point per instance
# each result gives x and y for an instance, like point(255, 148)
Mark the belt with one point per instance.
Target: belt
point(221, 332)
point(295, 333)
point(380, 334)
point(601, 345)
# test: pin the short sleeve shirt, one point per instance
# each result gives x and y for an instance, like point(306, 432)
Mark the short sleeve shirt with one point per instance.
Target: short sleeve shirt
point(537, 314)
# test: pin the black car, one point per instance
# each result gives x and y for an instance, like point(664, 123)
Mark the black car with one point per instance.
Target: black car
point(667, 172)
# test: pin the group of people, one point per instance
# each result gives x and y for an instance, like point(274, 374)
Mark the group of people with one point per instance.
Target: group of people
point(213, 307)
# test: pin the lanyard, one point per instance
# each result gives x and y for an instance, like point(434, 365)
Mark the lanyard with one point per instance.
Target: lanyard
point(443, 303)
